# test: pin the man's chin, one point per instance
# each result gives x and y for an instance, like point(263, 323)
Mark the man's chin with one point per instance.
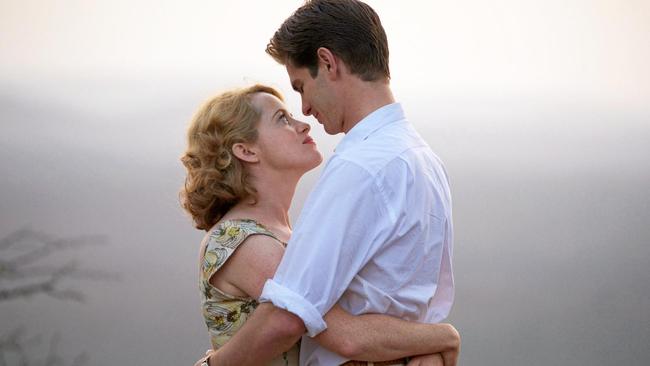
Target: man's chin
point(330, 130)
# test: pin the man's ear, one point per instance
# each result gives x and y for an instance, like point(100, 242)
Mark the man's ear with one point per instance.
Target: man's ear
point(328, 62)
point(245, 153)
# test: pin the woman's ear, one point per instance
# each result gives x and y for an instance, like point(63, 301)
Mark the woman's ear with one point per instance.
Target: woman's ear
point(245, 153)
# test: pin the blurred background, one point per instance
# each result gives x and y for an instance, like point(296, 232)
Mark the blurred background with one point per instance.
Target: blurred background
point(540, 110)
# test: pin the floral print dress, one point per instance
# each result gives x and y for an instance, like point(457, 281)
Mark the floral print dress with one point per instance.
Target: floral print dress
point(225, 314)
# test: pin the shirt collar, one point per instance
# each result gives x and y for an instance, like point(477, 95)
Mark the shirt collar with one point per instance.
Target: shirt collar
point(369, 124)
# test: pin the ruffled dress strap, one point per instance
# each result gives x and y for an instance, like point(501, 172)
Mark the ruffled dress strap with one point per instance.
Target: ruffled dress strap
point(224, 239)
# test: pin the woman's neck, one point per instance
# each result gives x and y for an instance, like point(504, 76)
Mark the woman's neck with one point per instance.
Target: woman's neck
point(271, 208)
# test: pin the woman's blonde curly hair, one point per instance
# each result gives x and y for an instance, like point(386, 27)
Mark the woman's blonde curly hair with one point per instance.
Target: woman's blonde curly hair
point(216, 180)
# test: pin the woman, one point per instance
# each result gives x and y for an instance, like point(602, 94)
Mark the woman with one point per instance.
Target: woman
point(244, 159)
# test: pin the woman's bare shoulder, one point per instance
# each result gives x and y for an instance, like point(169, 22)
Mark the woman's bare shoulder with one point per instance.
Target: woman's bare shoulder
point(254, 261)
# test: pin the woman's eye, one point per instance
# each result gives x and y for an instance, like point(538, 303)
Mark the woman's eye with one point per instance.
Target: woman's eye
point(283, 118)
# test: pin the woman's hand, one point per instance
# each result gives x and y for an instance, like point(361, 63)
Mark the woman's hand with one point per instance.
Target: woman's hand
point(427, 360)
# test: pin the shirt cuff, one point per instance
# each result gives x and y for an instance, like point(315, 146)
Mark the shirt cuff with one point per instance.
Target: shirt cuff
point(290, 301)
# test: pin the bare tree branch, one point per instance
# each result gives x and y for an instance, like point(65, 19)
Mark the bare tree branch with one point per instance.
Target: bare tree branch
point(15, 343)
point(37, 271)
point(17, 347)
point(30, 265)
point(26, 276)
point(47, 245)
point(14, 238)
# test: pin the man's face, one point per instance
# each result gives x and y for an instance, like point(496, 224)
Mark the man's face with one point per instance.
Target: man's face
point(318, 98)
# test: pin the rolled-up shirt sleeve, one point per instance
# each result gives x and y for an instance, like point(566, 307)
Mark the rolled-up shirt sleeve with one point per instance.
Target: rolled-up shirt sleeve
point(344, 222)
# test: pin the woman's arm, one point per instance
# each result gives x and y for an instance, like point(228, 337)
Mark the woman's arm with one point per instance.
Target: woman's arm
point(375, 337)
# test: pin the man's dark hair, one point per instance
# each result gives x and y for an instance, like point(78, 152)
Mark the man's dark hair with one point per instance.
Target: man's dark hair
point(349, 28)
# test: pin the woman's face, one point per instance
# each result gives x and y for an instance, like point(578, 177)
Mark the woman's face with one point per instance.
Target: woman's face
point(283, 142)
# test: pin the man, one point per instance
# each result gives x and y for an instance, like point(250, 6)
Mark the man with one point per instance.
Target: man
point(375, 234)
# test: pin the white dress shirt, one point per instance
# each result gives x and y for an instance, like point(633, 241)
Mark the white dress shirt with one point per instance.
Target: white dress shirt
point(375, 234)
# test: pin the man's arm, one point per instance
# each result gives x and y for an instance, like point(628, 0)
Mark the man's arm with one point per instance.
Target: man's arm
point(371, 337)
point(363, 337)
point(376, 337)
point(368, 337)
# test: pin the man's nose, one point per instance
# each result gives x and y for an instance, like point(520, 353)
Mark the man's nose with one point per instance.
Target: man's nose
point(306, 108)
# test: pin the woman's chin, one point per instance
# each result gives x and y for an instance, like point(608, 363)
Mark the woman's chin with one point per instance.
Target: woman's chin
point(314, 164)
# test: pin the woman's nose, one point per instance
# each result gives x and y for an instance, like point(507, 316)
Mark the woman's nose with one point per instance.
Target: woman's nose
point(303, 127)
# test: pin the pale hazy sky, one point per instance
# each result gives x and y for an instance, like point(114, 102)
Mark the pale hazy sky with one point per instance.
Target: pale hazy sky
point(593, 49)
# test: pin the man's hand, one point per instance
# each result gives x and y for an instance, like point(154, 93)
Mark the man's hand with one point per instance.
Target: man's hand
point(207, 354)
point(427, 360)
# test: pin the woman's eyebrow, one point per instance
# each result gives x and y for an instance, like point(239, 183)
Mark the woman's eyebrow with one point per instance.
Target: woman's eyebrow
point(279, 110)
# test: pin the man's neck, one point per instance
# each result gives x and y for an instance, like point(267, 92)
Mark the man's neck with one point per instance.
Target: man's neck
point(363, 98)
